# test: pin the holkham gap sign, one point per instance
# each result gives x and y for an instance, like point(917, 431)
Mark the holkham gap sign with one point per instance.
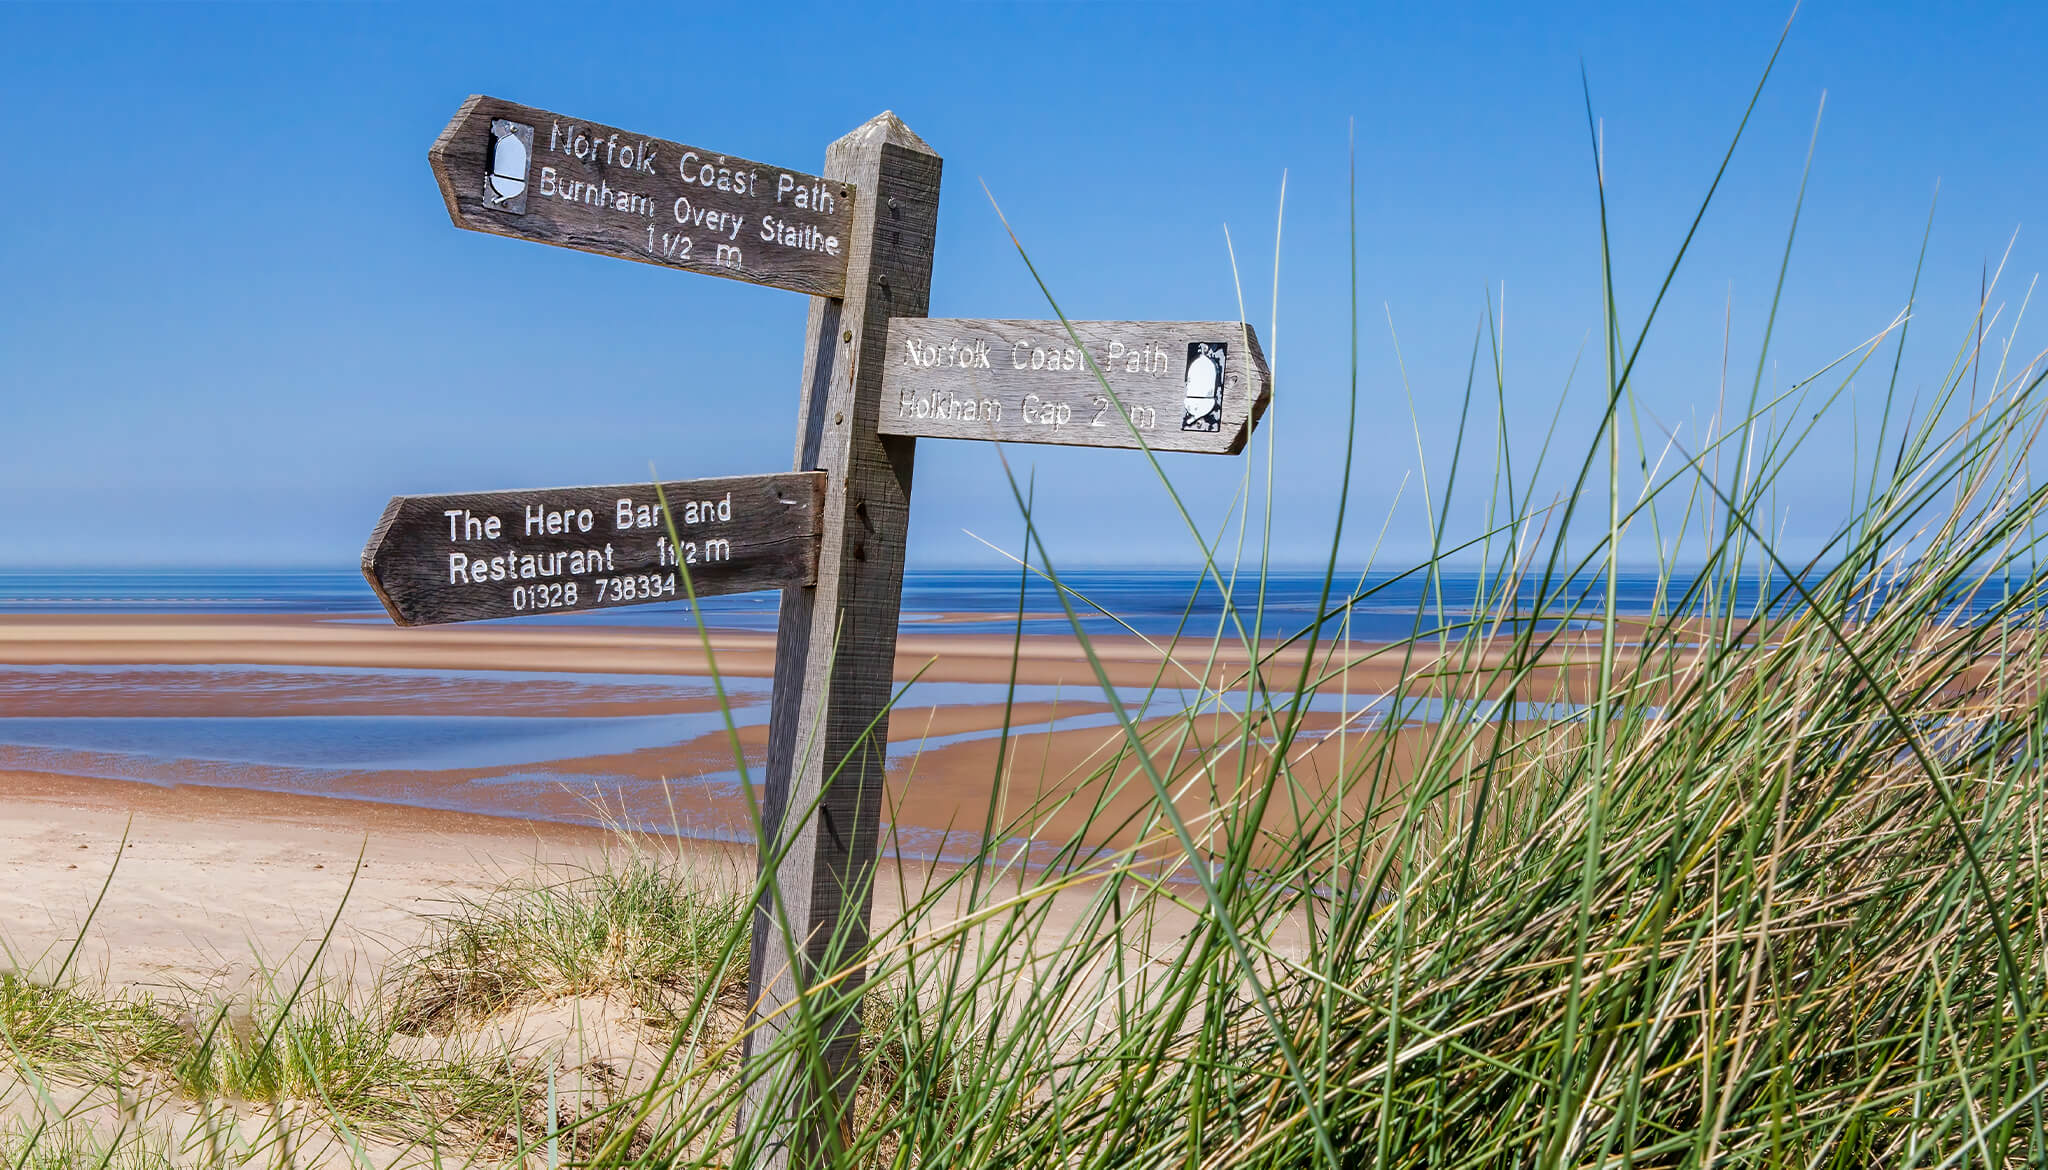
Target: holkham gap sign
point(1175, 385)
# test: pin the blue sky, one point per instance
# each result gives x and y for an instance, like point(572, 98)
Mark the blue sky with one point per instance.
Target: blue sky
point(234, 317)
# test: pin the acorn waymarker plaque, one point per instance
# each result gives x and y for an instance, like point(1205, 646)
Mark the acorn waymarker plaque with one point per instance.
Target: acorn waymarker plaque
point(830, 534)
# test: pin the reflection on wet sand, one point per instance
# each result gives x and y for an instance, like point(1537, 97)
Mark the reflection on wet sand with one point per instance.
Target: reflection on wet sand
point(623, 725)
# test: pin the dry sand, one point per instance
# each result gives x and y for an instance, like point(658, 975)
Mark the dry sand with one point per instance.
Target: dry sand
point(213, 883)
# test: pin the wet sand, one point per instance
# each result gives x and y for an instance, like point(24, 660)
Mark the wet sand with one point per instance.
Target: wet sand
point(225, 867)
point(370, 642)
point(1065, 746)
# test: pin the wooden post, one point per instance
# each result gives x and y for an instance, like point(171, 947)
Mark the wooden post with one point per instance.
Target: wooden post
point(835, 650)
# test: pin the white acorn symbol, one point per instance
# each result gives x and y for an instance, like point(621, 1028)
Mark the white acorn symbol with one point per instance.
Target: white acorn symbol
point(1200, 396)
point(508, 167)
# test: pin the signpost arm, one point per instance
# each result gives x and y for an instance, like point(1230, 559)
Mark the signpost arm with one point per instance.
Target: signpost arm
point(835, 649)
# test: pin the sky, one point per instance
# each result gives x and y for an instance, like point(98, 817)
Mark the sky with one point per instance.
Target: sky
point(235, 318)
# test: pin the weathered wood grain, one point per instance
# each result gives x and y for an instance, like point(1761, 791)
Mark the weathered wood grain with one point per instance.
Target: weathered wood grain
point(475, 555)
point(1029, 382)
point(601, 189)
point(836, 644)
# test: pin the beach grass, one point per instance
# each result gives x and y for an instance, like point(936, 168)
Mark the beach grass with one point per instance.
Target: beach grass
point(27, 1146)
point(343, 1057)
point(641, 924)
point(1752, 879)
point(61, 1029)
point(1769, 894)
point(249, 1050)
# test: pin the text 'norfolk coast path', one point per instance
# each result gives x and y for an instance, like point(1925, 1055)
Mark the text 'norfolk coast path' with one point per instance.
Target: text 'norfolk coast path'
point(513, 170)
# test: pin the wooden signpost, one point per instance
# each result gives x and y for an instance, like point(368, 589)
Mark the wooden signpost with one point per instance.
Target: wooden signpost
point(831, 534)
point(1178, 385)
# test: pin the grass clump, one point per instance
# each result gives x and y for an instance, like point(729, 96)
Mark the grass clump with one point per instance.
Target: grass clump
point(346, 1059)
point(70, 1145)
point(273, 1050)
point(639, 925)
point(57, 1028)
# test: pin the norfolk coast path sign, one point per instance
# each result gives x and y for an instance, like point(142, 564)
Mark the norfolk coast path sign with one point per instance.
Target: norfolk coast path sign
point(1180, 385)
point(513, 170)
point(480, 555)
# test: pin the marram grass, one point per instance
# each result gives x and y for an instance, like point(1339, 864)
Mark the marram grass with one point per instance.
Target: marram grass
point(1772, 896)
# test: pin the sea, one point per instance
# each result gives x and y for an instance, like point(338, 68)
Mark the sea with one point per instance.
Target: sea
point(1151, 601)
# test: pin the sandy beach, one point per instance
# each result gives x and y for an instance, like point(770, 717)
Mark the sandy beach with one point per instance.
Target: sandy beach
point(214, 882)
point(236, 866)
point(236, 856)
point(212, 678)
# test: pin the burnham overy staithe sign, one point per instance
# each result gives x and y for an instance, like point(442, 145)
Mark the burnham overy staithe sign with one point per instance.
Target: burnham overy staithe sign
point(513, 170)
point(1171, 385)
point(459, 558)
